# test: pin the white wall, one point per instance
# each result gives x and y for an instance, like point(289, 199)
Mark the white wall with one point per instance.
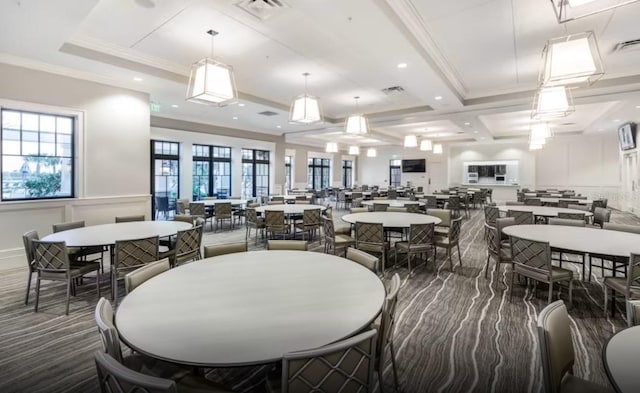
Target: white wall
point(113, 154)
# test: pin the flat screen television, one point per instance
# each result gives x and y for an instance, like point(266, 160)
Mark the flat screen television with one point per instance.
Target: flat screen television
point(418, 165)
point(627, 136)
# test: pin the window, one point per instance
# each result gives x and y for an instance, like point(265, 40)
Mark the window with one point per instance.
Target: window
point(395, 173)
point(287, 172)
point(211, 171)
point(165, 182)
point(37, 155)
point(319, 173)
point(347, 173)
point(255, 173)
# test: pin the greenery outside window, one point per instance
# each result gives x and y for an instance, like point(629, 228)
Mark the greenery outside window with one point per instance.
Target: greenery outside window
point(319, 173)
point(37, 155)
point(211, 171)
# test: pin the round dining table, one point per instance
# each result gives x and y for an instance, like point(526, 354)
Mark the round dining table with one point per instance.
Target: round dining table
point(573, 201)
point(392, 202)
point(233, 202)
point(295, 208)
point(621, 356)
point(542, 211)
point(391, 219)
point(108, 234)
point(249, 308)
point(585, 240)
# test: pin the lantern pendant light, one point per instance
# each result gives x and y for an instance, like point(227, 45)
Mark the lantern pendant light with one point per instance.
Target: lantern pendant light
point(356, 123)
point(305, 109)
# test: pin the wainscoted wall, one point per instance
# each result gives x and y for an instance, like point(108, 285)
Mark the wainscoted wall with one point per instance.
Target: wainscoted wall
point(19, 217)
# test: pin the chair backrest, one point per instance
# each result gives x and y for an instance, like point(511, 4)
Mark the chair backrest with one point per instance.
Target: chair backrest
point(568, 222)
point(514, 203)
point(197, 209)
point(531, 254)
point(578, 207)
point(215, 250)
point(359, 210)
point(502, 223)
point(622, 227)
point(597, 203)
point(181, 206)
point(633, 312)
point(274, 219)
point(421, 233)
point(51, 256)
point(278, 198)
point(454, 230)
point(344, 366)
point(296, 245)
point(571, 216)
point(413, 208)
point(251, 217)
point(491, 213)
point(521, 217)
point(454, 202)
point(132, 254)
point(601, 215)
point(533, 202)
point(65, 226)
point(380, 207)
point(566, 202)
point(184, 218)
point(395, 209)
point(556, 345)
point(392, 194)
point(493, 242)
point(431, 201)
point(188, 244)
point(103, 316)
point(329, 229)
point(369, 233)
point(114, 377)
point(27, 239)
point(311, 217)
point(129, 218)
point(223, 210)
point(443, 214)
point(135, 278)
point(365, 259)
point(388, 319)
point(633, 275)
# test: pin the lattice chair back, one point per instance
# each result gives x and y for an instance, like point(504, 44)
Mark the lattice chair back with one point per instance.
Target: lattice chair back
point(131, 254)
point(51, 256)
point(103, 316)
point(251, 217)
point(534, 255)
point(345, 366)
point(571, 216)
point(188, 244)
point(564, 203)
point(369, 233)
point(380, 207)
point(521, 217)
point(311, 217)
point(114, 377)
point(181, 206)
point(388, 319)
point(633, 276)
point(454, 230)
point(533, 202)
point(454, 203)
point(493, 241)
point(223, 210)
point(329, 229)
point(413, 208)
point(432, 202)
point(274, 221)
point(421, 234)
point(491, 213)
point(197, 209)
point(392, 194)
point(27, 240)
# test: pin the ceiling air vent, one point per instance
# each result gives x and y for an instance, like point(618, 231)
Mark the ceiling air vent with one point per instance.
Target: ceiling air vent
point(268, 113)
point(393, 90)
point(627, 45)
point(262, 9)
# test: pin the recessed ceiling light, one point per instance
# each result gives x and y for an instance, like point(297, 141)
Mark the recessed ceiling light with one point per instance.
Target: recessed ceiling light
point(235, 117)
point(402, 65)
point(278, 126)
point(475, 132)
point(241, 104)
point(616, 120)
point(637, 106)
point(137, 79)
point(467, 123)
point(437, 98)
point(174, 106)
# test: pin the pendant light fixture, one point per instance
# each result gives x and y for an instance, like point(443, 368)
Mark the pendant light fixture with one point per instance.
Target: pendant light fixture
point(571, 60)
point(540, 132)
point(410, 141)
point(356, 123)
point(568, 10)
point(552, 102)
point(354, 150)
point(372, 152)
point(426, 145)
point(332, 147)
point(212, 82)
point(437, 148)
point(305, 109)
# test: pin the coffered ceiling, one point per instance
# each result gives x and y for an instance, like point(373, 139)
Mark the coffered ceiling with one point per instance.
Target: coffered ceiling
point(471, 65)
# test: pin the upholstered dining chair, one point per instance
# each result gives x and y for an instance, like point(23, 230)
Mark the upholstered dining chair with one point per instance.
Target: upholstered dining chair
point(413, 208)
point(198, 209)
point(572, 216)
point(187, 248)
point(129, 218)
point(332, 240)
point(81, 253)
point(380, 207)
point(344, 366)
point(130, 255)
point(451, 241)
point(633, 313)
point(385, 332)
point(182, 205)
point(310, 223)
point(133, 279)
point(420, 241)
point(577, 222)
point(184, 218)
point(275, 223)
point(27, 239)
point(629, 286)
point(522, 217)
point(296, 245)
point(495, 248)
point(52, 263)
point(444, 215)
point(340, 227)
point(621, 227)
point(364, 258)
point(370, 238)
point(455, 205)
point(532, 259)
point(355, 210)
point(491, 213)
point(557, 353)
point(252, 221)
point(600, 216)
point(533, 202)
point(215, 250)
point(224, 212)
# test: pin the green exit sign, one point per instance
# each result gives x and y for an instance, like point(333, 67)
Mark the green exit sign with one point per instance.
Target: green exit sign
point(155, 107)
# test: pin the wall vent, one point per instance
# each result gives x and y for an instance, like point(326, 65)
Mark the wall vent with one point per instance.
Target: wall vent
point(393, 90)
point(268, 113)
point(627, 45)
point(262, 9)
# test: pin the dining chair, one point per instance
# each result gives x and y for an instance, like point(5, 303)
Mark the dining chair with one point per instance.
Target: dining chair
point(81, 254)
point(444, 215)
point(187, 248)
point(252, 221)
point(224, 212)
point(600, 216)
point(340, 227)
point(363, 258)
point(133, 279)
point(452, 240)
point(629, 286)
point(621, 227)
point(182, 205)
point(184, 218)
point(557, 352)
point(129, 218)
point(355, 210)
point(491, 213)
point(455, 205)
point(533, 202)
point(334, 241)
point(522, 217)
point(380, 207)
point(214, 250)
point(198, 209)
point(420, 241)
point(296, 245)
point(27, 239)
point(310, 223)
point(370, 238)
point(386, 331)
point(572, 216)
point(532, 259)
point(616, 264)
point(495, 248)
point(115, 377)
point(275, 223)
point(53, 264)
point(413, 208)
point(633, 313)
point(130, 255)
point(431, 202)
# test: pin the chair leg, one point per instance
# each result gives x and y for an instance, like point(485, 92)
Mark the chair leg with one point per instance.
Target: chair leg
point(35, 309)
point(550, 297)
point(511, 286)
point(26, 297)
point(380, 383)
point(98, 283)
point(393, 364)
point(459, 255)
point(571, 292)
point(68, 297)
point(486, 268)
point(613, 303)
point(450, 261)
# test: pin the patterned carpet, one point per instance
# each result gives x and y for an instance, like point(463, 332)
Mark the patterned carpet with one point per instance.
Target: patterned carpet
point(456, 331)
